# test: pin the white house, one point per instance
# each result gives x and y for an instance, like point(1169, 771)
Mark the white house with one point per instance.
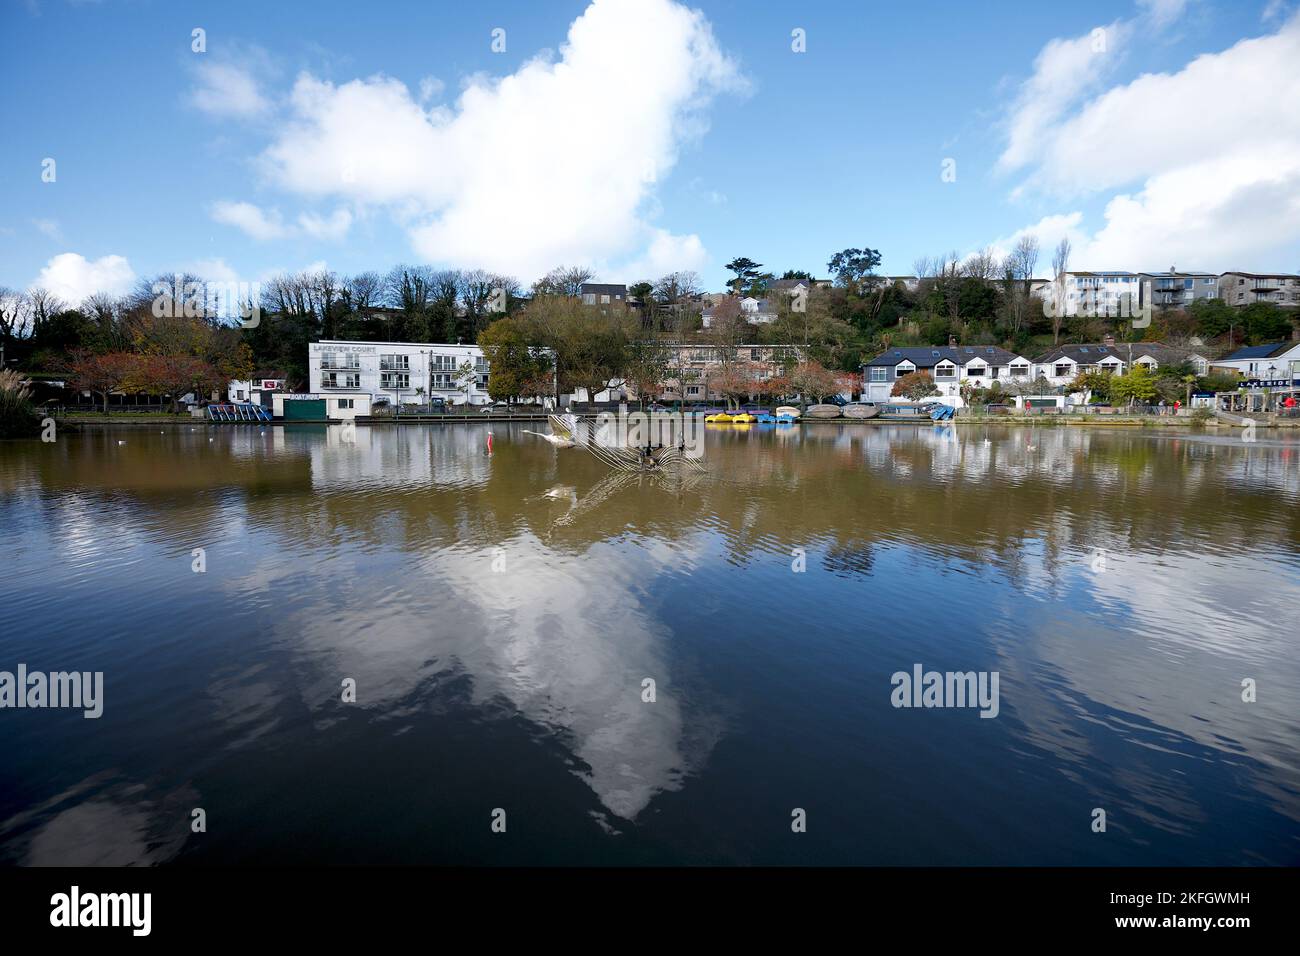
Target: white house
point(1061, 364)
point(256, 390)
point(950, 366)
point(1278, 360)
point(399, 373)
point(758, 311)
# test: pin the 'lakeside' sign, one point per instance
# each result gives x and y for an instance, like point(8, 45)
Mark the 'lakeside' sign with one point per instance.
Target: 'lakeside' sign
point(1270, 383)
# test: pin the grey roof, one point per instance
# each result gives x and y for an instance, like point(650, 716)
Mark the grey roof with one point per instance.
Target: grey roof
point(1258, 351)
point(1090, 353)
point(928, 356)
point(604, 288)
point(1263, 275)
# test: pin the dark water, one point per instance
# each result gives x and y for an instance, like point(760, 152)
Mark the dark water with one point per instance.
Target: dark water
point(521, 689)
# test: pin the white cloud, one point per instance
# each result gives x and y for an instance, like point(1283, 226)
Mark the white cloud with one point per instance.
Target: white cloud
point(430, 88)
point(214, 270)
point(72, 277)
point(225, 89)
point(1208, 161)
point(664, 253)
point(1064, 71)
point(264, 226)
point(526, 171)
point(48, 228)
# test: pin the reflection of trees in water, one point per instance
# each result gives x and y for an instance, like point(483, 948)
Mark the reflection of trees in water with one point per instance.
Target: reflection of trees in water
point(841, 486)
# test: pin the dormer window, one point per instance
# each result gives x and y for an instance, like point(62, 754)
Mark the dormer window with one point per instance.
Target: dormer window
point(945, 370)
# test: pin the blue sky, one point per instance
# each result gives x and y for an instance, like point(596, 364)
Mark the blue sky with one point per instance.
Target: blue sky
point(654, 137)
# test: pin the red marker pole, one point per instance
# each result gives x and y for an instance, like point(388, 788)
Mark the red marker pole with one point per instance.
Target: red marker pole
point(489, 444)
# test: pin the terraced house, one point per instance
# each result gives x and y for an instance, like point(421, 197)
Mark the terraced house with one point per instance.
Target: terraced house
point(1061, 364)
point(949, 366)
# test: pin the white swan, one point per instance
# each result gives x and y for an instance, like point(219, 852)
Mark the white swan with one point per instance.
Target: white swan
point(555, 440)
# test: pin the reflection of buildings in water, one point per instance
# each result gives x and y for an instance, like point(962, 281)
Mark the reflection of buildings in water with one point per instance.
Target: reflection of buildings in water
point(390, 455)
point(101, 821)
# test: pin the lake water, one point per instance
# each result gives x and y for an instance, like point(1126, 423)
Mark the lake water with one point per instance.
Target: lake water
point(499, 615)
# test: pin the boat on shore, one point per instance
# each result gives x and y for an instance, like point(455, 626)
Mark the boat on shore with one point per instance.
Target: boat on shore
point(861, 410)
point(822, 411)
point(904, 412)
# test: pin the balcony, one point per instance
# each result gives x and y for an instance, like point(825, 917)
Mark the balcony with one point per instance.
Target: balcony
point(343, 364)
point(402, 364)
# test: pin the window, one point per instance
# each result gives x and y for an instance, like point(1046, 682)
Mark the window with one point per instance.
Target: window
point(756, 355)
point(1022, 370)
point(341, 380)
point(394, 380)
point(346, 360)
point(945, 370)
point(441, 380)
point(394, 363)
point(901, 370)
point(442, 363)
point(345, 403)
point(692, 390)
point(993, 371)
point(879, 373)
point(1061, 370)
point(974, 371)
point(589, 298)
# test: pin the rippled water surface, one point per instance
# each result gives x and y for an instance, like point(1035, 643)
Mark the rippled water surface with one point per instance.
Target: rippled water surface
point(499, 615)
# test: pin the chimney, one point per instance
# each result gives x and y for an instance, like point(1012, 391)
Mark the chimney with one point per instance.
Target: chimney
point(1108, 340)
point(952, 341)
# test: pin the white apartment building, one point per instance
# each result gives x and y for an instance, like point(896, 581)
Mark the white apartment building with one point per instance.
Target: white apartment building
point(1101, 293)
point(399, 373)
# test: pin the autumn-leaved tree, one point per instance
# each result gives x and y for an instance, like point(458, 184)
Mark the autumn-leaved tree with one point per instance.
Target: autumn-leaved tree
point(914, 386)
point(813, 380)
point(104, 374)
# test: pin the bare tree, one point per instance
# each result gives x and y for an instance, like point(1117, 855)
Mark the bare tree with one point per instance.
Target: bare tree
point(361, 293)
point(44, 305)
point(982, 265)
point(325, 292)
point(1060, 265)
point(15, 314)
point(1024, 259)
point(675, 295)
point(564, 280)
point(1018, 273)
